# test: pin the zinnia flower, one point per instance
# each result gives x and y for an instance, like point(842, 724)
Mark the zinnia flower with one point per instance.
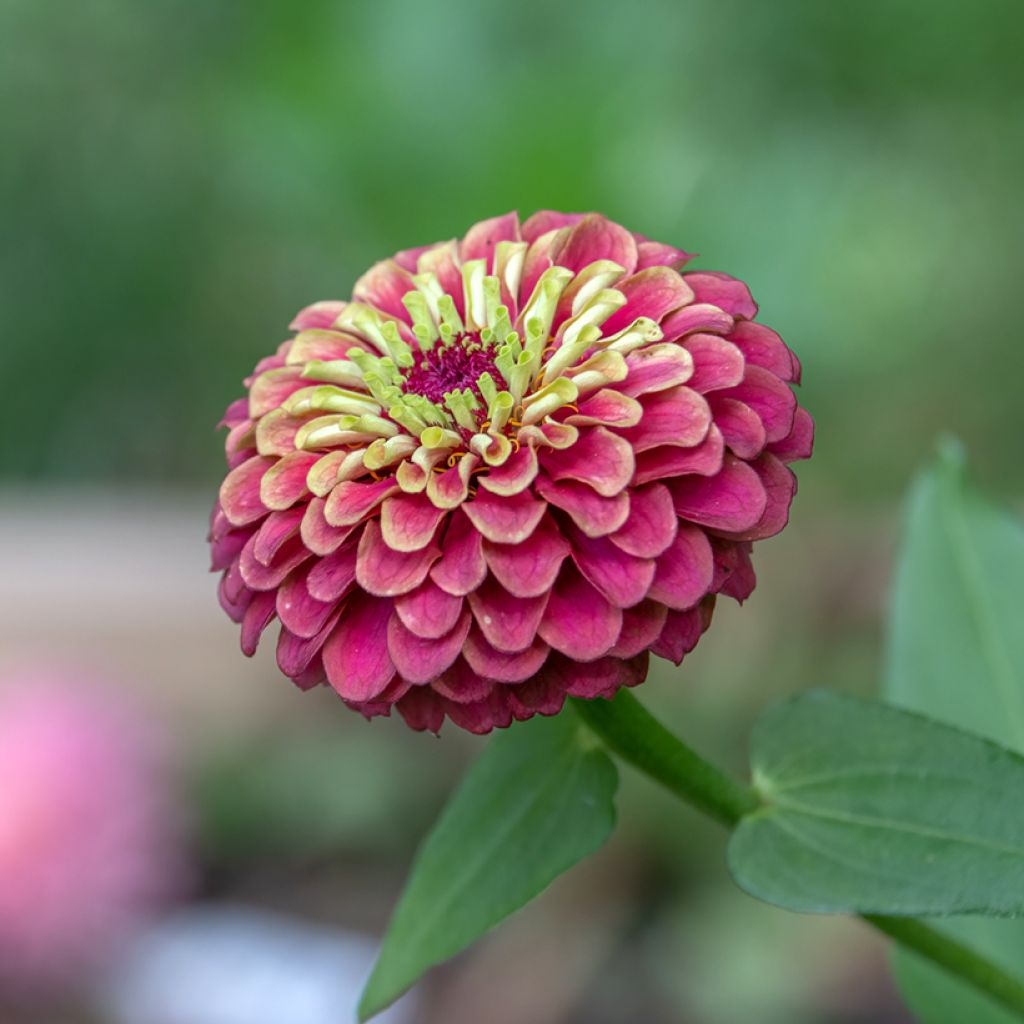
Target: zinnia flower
point(508, 470)
point(91, 836)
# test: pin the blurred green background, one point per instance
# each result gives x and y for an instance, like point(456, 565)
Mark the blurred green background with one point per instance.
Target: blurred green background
point(178, 178)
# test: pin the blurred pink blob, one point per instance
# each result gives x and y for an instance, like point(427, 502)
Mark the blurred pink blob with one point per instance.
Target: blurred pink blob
point(91, 834)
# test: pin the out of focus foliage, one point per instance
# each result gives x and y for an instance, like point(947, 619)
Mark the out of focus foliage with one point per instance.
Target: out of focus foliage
point(179, 178)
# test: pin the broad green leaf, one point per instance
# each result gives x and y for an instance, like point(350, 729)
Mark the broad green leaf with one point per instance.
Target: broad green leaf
point(872, 809)
point(537, 801)
point(956, 652)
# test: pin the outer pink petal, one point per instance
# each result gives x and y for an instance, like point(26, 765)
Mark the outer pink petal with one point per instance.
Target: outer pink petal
point(321, 315)
point(653, 293)
point(489, 662)
point(763, 347)
point(600, 458)
point(259, 614)
point(351, 501)
point(734, 572)
point(597, 238)
point(622, 578)
point(676, 417)
point(285, 482)
point(461, 567)
point(741, 427)
point(780, 487)
point(657, 254)
point(656, 368)
point(651, 526)
point(332, 577)
point(266, 577)
point(721, 290)
point(385, 572)
point(509, 623)
point(717, 363)
point(240, 491)
point(462, 684)
point(685, 569)
point(409, 521)
point(299, 610)
point(544, 221)
point(595, 515)
point(698, 316)
point(383, 286)
point(422, 709)
point(579, 622)
point(600, 678)
point(505, 520)
point(770, 398)
point(641, 626)
point(421, 659)
point(355, 655)
point(529, 568)
point(274, 531)
point(667, 462)
point(481, 238)
point(317, 534)
point(428, 610)
point(732, 501)
point(799, 443)
point(680, 634)
point(514, 475)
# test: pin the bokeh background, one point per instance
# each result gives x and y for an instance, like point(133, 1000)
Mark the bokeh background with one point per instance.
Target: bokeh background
point(178, 178)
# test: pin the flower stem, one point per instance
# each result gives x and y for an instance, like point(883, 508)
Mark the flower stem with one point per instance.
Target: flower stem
point(629, 729)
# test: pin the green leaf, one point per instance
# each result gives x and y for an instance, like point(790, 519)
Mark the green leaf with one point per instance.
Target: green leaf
point(956, 651)
point(872, 809)
point(537, 801)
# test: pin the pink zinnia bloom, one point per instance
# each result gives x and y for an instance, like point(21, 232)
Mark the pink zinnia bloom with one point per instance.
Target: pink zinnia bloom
point(508, 470)
point(90, 832)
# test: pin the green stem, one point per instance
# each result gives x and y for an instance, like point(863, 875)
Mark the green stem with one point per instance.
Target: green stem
point(629, 729)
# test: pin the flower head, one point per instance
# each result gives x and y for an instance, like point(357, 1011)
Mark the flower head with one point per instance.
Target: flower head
point(507, 471)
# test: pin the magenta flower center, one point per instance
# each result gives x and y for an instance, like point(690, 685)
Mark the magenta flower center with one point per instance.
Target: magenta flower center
point(450, 367)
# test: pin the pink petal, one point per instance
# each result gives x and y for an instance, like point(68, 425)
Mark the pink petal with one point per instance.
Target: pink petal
point(656, 254)
point(698, 316)
point(514, 475)
point(780, 487)
point(285, 482)
point(651, 525)
point(258, 616)
point(597, 238)
point(641, 626)
point(299, 611)
point(544, 221)
point(490, 663)
point(462, 684)
point(741, 427)
point(542, 695)
point(225, 550)
point(385, 572)
point(409, 259)
point(770, 398)
point(450, 489)
point(481, 717)
point(762, 347)
point(799, 442)
point(409, 521)
point(675, 417)
point(717, 363)
point(656, 368)
point(505, 520)
point(653, 293)
point(274, 531)
point(317, 534)
point(579, 622)
point(461, 567)
point(271, 387)
point(421, 659)
point(733, 500)
point(333, 576)
point(723, 291)
point(481, 238)
point(319, 315)
point(667, 462)
point(383, 286)
point(541, 255)
point(607, 408)
point(428, 610)
point(299, 657)
point(593, 514)
point(600, 678)
point(350, 501)
point(422, 710)
point(508, 623)
point(529, 568)
point(442, 261)
point(600, 458)
point(622, 578)
point(232, 593)
point(266, 577)
point(355, 655)
point(323, 345)
point(685, 569)
point(734, 572)
point(240, 491)
point(680, 634)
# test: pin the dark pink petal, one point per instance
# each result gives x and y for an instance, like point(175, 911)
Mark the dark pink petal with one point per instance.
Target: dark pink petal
point(422, 710)
point(514, 475)
point(733, 500)
point(421, 659)
point(481, 238)
point(600, 458)
point(529, 568)
point(383, 286)
point(579, 622)
point(734, 572)
point(351, 501)
point(607, 408)
point(508, 623)
point(505, 520)
point(319, 315)
point(462, 684)
point(542, 695)
point(409, 521)
point(594, 515)
point(240, 444)
point(355, 655)
point(332, 577)
point(641, 626)
point(258, 616)
point(717, 363)
point(685, 569)
point(226, 549)
point(622, 578)
point(544, 221)
point(652, 522)
point(656, 368)
point(299, 657)
point(698, 316)
point(780, 486)
point(656, 254)
point(675, 417)
point(680, 634)
point(266, 577)
point(741, 427)
point(317, 534)
point(428, 610)
point(799, 442)
point(461, 567)
point(385, 572)
point(597, 238)
point(667, 462)
point(240, 491)
point(770, 398)
point(653, 293)
point(762, 347)
point(600, 678)
point(312, 675)
point(489, 662)
point(237, 412)
point(299, 611)
point(233, 594)
point(481, 717)
point(285, 482)
point(723, 291)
